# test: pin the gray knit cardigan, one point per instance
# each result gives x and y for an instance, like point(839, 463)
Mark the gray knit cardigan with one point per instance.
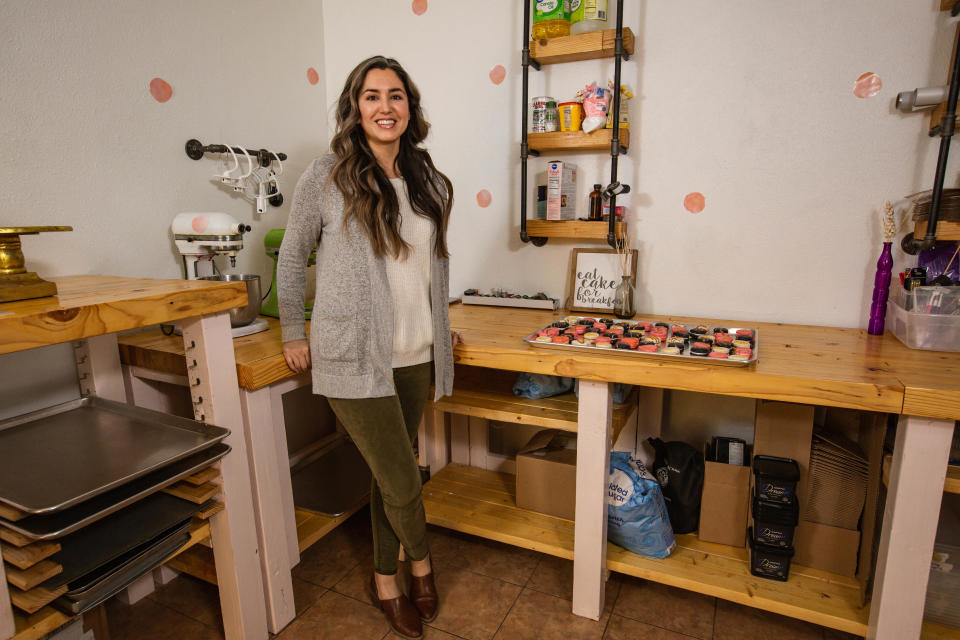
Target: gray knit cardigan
point(351, 329)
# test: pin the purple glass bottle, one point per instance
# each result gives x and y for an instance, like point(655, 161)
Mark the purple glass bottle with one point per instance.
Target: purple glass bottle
point(881, 290)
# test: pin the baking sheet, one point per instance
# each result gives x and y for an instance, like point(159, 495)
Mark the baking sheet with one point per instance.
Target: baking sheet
point(55, 525)
point(137, 563)
point(100, 543)
point(684, 355)
point(60, 456)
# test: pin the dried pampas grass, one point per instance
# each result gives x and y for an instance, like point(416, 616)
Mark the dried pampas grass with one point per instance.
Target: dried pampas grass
point(888, 222)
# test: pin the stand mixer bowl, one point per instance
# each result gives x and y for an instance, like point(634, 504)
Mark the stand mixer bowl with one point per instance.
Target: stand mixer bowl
point(242, 316)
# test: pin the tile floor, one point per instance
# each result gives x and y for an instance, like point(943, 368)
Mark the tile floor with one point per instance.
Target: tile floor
point(488, 590)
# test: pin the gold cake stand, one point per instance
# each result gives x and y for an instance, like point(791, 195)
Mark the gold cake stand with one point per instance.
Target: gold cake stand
point(16, 283)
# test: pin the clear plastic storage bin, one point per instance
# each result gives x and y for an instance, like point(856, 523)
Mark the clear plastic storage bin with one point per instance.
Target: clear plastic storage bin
point(926, 318)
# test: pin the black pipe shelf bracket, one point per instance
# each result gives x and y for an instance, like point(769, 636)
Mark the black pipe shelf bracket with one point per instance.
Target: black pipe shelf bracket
point(945, 131)
point(196, 149)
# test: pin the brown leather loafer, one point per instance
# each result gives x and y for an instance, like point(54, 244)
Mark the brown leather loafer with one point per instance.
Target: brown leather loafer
point(423, 594)
point(403, 617)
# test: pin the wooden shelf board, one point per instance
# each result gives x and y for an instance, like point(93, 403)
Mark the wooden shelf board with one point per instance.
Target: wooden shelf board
point(581, 46)
point(951, 483)
point(577, 140)
point(26, 557)
point(488, 393)
point(311, 526)
point(34, 627)
point(947, 230)
point(482, 503)
point(580, 229)
point(26, 579)
point(194, 493)
point(932, 631)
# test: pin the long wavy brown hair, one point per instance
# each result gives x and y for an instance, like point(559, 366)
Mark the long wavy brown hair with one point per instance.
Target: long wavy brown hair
point(369, 196)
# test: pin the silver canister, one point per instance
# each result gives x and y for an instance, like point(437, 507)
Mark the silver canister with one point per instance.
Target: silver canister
point(546, 115)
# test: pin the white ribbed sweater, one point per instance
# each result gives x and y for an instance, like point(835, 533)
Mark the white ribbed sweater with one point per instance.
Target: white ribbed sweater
point(409, 280)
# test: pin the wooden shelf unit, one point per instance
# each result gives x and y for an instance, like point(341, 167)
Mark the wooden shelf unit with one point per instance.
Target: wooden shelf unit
point(483, 503)
point(580, 229)
point(561, 141)
point(582, 46)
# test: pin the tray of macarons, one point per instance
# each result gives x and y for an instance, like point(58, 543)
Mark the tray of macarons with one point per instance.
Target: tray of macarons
point(721, 345)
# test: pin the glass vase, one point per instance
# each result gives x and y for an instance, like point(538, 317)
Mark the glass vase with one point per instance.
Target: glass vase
point(623, 299)
point(881, 291)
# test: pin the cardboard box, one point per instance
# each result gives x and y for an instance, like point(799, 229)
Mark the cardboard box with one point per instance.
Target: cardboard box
point(561, 190)
point(832, 549)
point(786, 430)
point(725, 504)
point(547, 474)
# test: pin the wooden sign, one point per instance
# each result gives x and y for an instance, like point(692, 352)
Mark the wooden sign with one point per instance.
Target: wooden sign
point(595, 275)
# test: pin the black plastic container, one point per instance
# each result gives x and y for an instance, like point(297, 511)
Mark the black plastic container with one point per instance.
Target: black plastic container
point(774, 522)
point(772, 563)
point(775, 478)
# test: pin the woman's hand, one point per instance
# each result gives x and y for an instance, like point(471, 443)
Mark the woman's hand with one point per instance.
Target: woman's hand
point(297, 355)
point(455, 339)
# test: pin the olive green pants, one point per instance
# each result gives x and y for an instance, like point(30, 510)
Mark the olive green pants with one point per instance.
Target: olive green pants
point(384, 430)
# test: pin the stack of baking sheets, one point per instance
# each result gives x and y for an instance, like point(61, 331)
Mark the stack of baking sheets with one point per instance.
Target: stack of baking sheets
point(81, 513)
point(837, 481)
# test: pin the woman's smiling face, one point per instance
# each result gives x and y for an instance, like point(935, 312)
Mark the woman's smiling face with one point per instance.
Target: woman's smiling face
point(384, 109)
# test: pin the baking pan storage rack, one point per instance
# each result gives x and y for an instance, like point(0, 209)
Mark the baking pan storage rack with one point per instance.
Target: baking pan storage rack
point(95, 494)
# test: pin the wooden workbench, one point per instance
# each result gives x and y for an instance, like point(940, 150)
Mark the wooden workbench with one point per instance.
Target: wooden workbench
point(803, 364)
point(263, 378)
point(90, 309)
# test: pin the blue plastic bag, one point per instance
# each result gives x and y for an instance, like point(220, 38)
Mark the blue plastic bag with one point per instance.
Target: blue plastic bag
point(636, 512)
point(536, 385)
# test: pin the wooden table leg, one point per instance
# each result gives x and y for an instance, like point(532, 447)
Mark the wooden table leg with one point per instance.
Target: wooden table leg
point(98, 368)
point(594, 432)
point(212, 375)
point(265, 474)
point(920, 457)
point(277, 390)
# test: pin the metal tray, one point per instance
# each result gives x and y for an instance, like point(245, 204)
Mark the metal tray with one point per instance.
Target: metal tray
point(102, 585)
point(57, 457)
point(684, 355)
point(102, 542)
point(55, 525)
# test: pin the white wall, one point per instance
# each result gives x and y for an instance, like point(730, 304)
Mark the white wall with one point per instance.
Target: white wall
point(86, 145)
point(748, 102)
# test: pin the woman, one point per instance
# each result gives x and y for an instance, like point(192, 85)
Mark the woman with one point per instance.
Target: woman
point(377, 209)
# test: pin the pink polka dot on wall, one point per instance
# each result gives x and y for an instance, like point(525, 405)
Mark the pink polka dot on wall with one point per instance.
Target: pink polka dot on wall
point(694, 202)
point(419, 7)
point(160, 90)
point(867, 85)
point(484, 198)
point(312, 76)
point(497, 74)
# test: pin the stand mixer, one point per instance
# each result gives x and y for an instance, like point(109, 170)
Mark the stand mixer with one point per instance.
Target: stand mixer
point(271, 243)
point(200, 237)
